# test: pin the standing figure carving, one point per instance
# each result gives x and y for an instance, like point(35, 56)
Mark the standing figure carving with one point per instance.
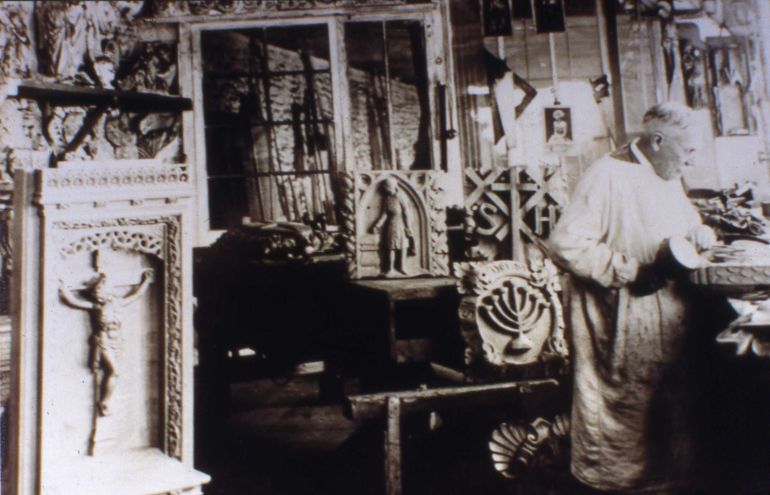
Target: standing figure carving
point(397, 238)
point(105, 307)
point(63, 42)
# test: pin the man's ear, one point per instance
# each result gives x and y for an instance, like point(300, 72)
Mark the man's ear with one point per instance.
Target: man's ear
point(655, 141)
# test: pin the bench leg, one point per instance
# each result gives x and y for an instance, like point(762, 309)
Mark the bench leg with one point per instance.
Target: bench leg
point(393, 483)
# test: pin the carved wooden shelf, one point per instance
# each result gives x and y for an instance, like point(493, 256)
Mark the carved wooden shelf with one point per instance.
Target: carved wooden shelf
point(64, 94)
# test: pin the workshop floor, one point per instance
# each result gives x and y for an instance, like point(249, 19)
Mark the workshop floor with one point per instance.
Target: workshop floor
point(282, 439)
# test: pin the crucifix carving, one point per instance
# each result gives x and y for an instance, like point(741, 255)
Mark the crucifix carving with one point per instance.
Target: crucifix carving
point(104, 304)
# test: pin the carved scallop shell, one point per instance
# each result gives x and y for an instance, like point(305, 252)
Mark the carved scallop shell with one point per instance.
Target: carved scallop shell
point(505, 444)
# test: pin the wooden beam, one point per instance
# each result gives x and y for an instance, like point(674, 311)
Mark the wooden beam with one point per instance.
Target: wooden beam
point(393, 482)
point(376, 405)
point(63, 94)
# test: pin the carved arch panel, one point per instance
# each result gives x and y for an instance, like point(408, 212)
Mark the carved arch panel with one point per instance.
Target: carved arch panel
point(394, 214)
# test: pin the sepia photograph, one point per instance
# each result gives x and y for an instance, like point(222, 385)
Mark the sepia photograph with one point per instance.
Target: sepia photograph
point(385, 247)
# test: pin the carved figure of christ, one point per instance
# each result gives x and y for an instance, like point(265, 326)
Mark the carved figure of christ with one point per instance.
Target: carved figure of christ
point(105, 307)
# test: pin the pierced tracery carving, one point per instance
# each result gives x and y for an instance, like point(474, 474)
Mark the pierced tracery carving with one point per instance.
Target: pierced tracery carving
point(117, 239)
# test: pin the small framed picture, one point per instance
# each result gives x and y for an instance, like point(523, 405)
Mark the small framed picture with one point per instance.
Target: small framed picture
point(549, 16)
point(558, 129)
point(497, 18)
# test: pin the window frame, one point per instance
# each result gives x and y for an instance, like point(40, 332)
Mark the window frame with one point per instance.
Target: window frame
point(435, 29)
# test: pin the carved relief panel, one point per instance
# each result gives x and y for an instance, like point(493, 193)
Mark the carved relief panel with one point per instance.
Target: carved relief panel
point(509, 210)
point(105, 246)
point(394, 224)
point(511, 316)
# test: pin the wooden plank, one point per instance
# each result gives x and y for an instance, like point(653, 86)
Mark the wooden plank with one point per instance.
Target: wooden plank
point(375, 405)
point(409, 288)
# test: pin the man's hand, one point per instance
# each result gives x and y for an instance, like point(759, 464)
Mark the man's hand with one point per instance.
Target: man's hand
point(702, 237)
point(649, 279)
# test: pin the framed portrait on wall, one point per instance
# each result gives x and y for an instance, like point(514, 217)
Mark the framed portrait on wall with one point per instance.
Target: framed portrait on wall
point(558, 129)
point(549, 16)
point(497, 18)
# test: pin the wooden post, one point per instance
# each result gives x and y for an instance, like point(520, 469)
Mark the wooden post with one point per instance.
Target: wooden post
point(393, 484)
point(517, 250)
point(606, 20)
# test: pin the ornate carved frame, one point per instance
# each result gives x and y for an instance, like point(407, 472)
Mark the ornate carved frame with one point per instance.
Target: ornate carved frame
point(425, 185)
point(118, 235)
point(479, 279)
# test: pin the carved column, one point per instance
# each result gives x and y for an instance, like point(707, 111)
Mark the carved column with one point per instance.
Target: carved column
point(102, 338)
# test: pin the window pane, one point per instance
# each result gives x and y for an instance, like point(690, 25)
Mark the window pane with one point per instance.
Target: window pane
point(228, 202)
point(298, 48)
point(364, 42)
point(389, 94)
point(234, 96)
point(225, 52)
point(225, 151)
point(269, 125)
point(409, 94)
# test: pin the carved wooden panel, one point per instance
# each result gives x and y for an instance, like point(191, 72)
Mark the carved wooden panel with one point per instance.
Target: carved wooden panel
point(105, 247)
point(731, 275)
point(394, 224)
point(507, 208)
point(510, 316)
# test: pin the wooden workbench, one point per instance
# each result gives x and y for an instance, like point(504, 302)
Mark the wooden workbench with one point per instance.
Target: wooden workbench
point(409, 349)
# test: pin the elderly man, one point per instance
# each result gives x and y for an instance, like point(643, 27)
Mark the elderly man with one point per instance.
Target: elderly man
point(631, 428)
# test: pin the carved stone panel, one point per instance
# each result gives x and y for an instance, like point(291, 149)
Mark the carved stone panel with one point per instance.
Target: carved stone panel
point(110, 268)
point(17, 46)
point(213, 8)
point(394, 224)
point(511, 316)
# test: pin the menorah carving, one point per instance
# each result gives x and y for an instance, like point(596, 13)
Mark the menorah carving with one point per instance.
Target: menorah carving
point(513, 308)
point(511, 315)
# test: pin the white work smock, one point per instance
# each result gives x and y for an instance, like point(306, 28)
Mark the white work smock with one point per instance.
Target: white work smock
point(630, 424)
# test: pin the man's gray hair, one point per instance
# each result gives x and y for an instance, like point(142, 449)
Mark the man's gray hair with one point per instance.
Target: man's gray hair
point(670, 114)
